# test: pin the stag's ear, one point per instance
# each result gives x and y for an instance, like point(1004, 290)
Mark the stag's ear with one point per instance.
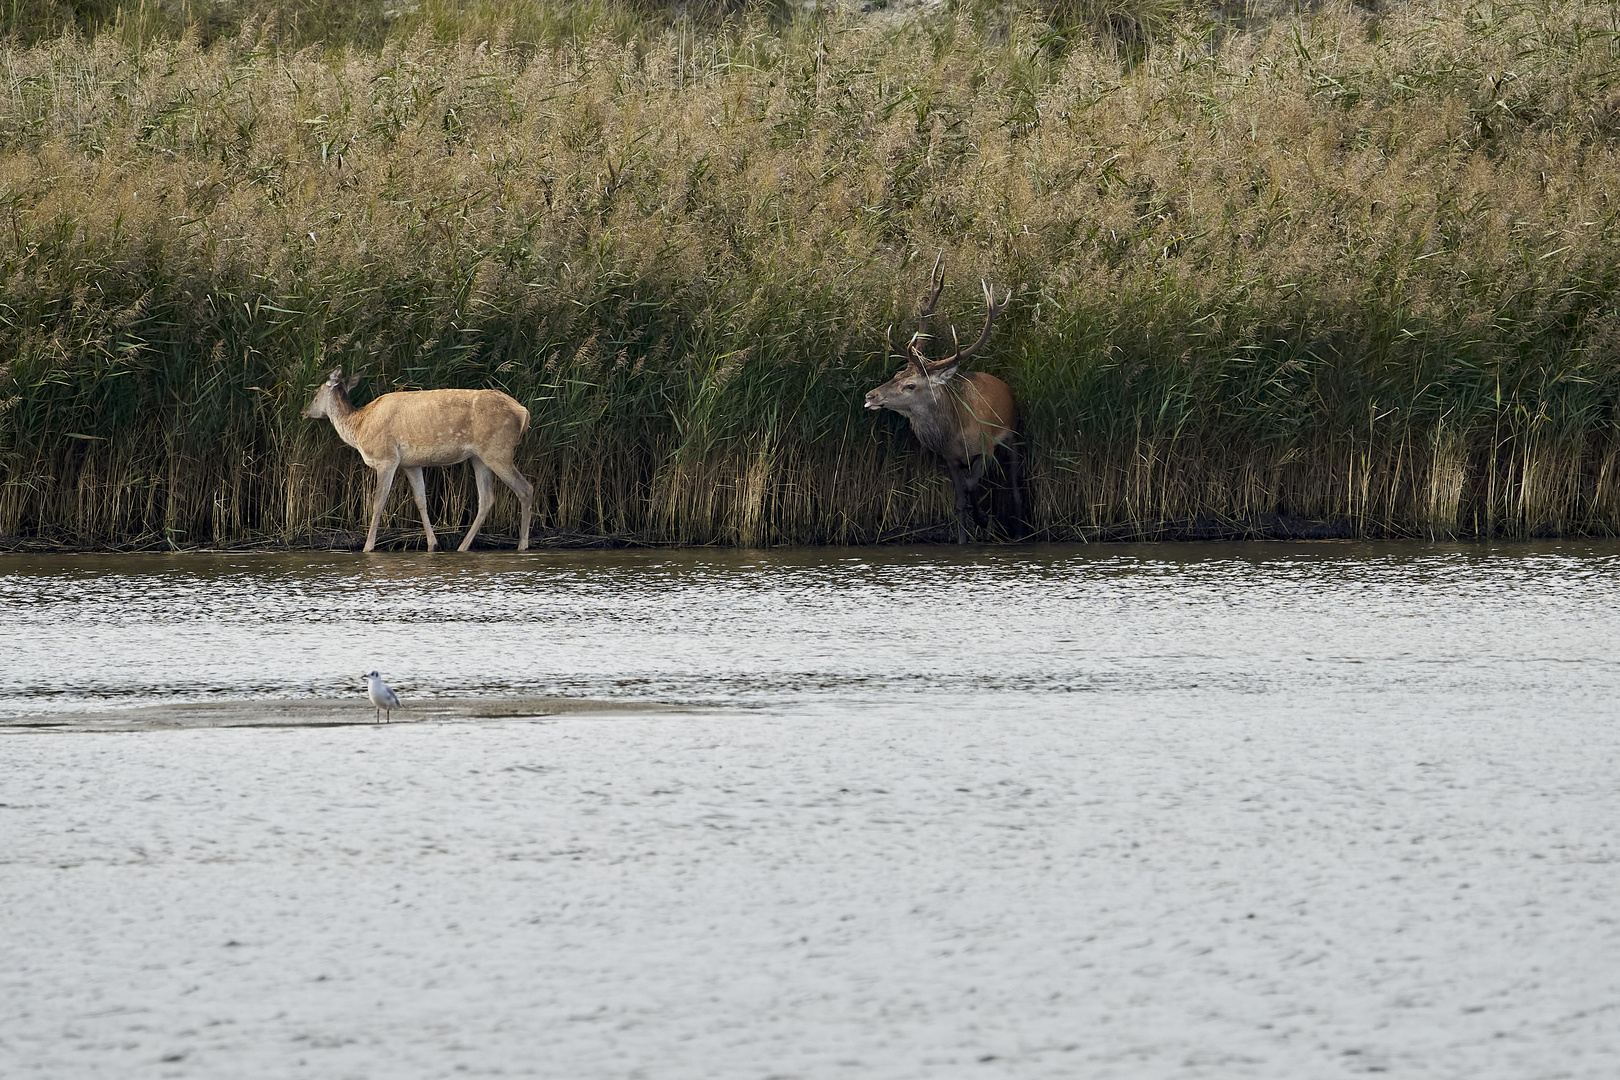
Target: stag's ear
point(942, 376)
point(350, 383)
point(335, 377)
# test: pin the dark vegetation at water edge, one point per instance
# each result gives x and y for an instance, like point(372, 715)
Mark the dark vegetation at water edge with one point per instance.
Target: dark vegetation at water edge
point(1344, 266)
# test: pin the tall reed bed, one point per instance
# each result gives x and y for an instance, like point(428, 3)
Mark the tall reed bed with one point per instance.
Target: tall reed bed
point(1337, 265)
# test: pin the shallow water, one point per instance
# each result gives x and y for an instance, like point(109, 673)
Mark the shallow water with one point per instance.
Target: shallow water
point(1271, 811)
point(1146, 629)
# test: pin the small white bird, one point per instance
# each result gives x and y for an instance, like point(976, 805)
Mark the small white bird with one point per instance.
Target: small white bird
point(382, 695)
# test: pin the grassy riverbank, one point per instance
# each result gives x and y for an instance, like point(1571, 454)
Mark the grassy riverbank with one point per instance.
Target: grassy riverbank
point(1339, 265)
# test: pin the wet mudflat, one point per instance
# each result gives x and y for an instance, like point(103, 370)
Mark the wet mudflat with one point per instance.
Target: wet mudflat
point(1250, 810)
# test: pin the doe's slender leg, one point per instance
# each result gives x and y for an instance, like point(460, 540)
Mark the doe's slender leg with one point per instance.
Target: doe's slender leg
point(385, 483)
point(486, 499)
point(522, 489)
point(419, 489)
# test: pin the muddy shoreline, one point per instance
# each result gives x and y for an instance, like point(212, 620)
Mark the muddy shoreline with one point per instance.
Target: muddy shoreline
point(317, 713)
point(1203, 529)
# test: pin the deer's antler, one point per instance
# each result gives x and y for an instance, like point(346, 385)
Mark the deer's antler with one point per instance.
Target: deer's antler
point(936, 285)
point(915, 356)
point(991, 310)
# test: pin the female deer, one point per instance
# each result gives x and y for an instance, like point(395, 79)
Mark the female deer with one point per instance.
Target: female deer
point(412, 429)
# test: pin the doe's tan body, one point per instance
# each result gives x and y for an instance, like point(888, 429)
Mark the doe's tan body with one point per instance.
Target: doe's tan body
point(413, 429)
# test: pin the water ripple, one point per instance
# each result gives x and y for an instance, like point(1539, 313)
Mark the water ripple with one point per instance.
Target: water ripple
point(1160, 626)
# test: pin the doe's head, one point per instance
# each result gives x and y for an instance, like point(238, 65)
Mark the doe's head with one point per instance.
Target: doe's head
point(335, 389)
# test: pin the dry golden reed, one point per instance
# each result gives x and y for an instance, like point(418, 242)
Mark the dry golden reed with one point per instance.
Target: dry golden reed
point(1335, 265)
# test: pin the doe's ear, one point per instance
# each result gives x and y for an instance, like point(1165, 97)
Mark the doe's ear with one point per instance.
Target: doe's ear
point(350, 383)
point(335, 377)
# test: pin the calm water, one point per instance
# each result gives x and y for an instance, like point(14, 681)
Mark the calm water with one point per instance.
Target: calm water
point(1264, 811)
point(1149, 629)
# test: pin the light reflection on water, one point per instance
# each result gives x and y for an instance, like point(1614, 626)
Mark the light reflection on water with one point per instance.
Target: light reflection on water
point(1149, 628)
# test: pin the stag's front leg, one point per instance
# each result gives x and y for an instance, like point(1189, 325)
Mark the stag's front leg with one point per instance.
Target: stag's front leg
point(975, 496)
point(385, 483)
point(1015, 478)
point(959, 481)
point(419, 489)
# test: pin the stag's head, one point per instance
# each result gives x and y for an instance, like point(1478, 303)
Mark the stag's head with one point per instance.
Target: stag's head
point(334, 390)
point(918, 385)
point(912, 388)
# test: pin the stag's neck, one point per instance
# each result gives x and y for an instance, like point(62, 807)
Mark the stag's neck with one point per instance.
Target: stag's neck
point(346, 419)
point(934, 422)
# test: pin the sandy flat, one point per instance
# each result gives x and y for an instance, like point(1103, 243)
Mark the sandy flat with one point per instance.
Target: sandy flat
point(325, 712)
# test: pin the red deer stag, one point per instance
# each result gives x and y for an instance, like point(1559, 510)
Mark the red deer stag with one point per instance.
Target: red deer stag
point(413, 429)
point(964, 417)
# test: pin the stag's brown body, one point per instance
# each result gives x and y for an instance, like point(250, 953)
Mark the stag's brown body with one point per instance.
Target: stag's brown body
point(967, 418)
point(962, 419)
point(411, 430)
